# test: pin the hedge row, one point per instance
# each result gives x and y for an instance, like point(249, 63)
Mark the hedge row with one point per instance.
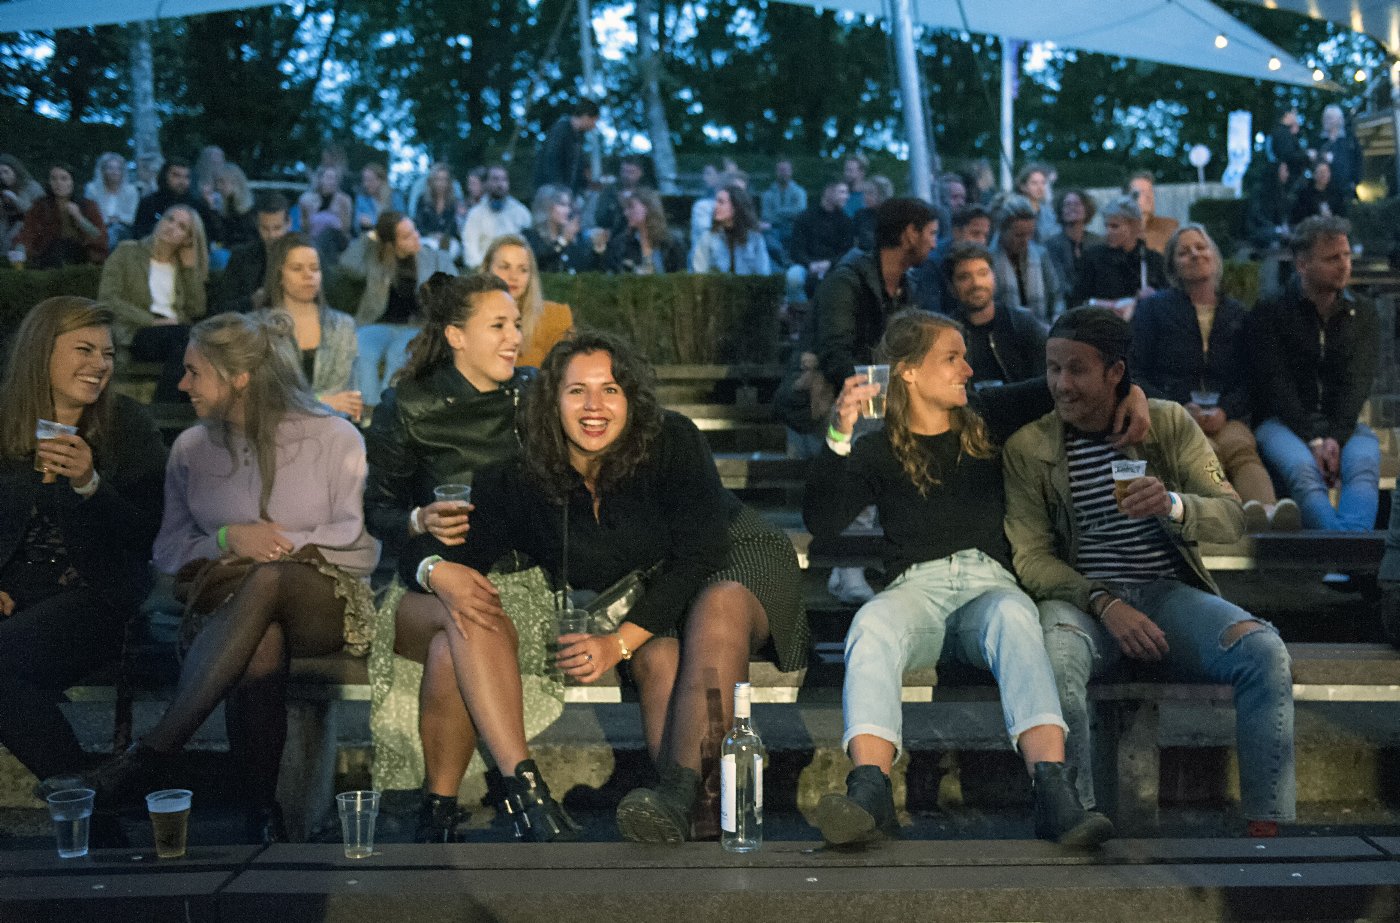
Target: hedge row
point(677, 318)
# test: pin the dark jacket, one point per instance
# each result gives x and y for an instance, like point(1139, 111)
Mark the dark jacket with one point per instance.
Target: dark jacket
point(151, 207)
point(1015, 344)
point(624, 254)
point(849, 315)
point(1069, 258)
point(108, 536)
point(437, 429)
point(1167, 360)
point(1343, 154)
point(818, 234)
point(244, 275)
point(1108, 272)
point(1310, 199)
point(560, 159)
point(558, 256)
point(1313, 377)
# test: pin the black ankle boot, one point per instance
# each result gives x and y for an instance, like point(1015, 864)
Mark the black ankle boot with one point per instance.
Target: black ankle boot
point(535, 815)
point(126, 775)
point(1059, 816)
point(265, 825)
point(437, 819)
point(865, 814)
point(660, 815)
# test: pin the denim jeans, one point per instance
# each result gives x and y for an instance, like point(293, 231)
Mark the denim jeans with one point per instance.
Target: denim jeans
point(380, 343)
point(1289, 457)
point(967, 598)
point(1194, 622)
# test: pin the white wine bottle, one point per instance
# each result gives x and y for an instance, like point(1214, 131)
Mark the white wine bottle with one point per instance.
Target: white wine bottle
point(741, 780)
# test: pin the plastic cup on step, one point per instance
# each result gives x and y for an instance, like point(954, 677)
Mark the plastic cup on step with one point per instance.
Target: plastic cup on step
point(358, 811)
point(170, 819)
point(71, 812)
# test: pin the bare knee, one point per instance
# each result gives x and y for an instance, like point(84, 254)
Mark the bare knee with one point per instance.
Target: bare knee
point(1238, 630)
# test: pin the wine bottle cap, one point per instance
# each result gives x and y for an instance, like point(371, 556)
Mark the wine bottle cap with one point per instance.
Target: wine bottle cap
point(743, 695)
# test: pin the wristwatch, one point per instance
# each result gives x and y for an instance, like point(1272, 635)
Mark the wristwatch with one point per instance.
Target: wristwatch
point(622, 646)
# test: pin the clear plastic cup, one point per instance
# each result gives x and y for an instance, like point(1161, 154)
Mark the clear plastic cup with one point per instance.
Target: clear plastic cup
point(1125, 471)
point(874, 408)
point(45, 430)
point(170, 819)
point(71, 811)
point(358, 811)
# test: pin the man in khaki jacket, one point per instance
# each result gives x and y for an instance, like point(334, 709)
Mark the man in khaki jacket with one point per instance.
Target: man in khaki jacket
point(1118, 574)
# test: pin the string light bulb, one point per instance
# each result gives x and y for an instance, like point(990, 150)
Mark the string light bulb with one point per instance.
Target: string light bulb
point(1318, 74)
point(1221, 41)
point(1275, 63)
point(1360, 76)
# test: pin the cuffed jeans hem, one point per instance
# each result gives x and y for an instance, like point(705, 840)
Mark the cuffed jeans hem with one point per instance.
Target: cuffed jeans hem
point(874, 730)
point(1035, 721)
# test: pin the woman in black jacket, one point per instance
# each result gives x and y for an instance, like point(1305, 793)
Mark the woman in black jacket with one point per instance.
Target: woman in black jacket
point(607, 484)
point(75, 538)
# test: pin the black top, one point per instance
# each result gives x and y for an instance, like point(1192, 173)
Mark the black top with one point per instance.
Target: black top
point(1310, 200)
point(108, 536)
point(1108, 272)
point(1008, 348)
point(560, 160)
point(308, 363)
point(559, 255)
point(431, 430)
point(965, 510)
point(1314, 377)
point(818, 234)
point(150, 208)
point(673, 509)
point(624, 255)
point(403, 293)
point(244, 275)
point(1167, 359)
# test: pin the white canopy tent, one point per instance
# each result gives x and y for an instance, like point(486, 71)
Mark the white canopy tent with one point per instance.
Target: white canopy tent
point(1378, 18)
point(42, 15)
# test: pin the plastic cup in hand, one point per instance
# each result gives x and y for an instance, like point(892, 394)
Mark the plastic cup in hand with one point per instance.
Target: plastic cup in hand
point(874, 408)
point(358, 811)
point(1125, 472)
point(71, 811)
point(1206, 400)
point(45, 430)
point(453, 493)
point(568, 622)
point(170, 819)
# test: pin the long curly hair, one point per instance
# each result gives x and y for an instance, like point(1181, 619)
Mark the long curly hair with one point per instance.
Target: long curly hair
point(26, 393)
point(546, 448)
point(907, 340)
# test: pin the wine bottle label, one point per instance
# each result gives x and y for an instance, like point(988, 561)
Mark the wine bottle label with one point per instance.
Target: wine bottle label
point(728, 819)
point(758, 784)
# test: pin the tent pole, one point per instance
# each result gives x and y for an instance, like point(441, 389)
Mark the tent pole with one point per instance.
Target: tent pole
point(1395, 120)
point(920, 168)
point(590, 81)
point(1010, 52)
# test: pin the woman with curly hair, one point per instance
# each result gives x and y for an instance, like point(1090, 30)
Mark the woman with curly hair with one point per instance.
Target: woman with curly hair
point(607, 484)
point(733, 242)
point(933, 472)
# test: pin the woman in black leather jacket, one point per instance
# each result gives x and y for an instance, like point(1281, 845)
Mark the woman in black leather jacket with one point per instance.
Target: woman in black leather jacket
point(75, 538)
point(451, 411)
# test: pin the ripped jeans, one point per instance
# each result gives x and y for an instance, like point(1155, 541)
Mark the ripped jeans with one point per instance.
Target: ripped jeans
point(1194, 621)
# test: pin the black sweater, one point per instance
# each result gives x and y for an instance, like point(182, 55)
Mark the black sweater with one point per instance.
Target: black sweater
point(964, 511)
point(673, 509)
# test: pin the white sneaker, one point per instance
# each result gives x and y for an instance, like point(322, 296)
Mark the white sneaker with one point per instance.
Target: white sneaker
point(1286, 516)
point(848, 585)
point(1256, 517)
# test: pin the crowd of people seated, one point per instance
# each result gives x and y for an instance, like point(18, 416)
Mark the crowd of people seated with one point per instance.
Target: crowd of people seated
point(1027, 356)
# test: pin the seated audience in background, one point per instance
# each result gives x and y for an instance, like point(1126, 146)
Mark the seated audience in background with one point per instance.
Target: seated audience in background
point(247, 264)
point(1026, 277)
point(702, 210)
point(554, 236)
point(646, 245)
point(1074, 208)
point(971, 224)
point(1190, 346)
point(438, 212)
point(1269, 207)
point(1122, 269)
point(733, 243)
point(1124, 578)
point(875, 191)
point(18, 191)
point(853, 170)
point(374, 197)
point(933, 473)
point(327, 214)
point(781, 204)
point(75, 540)
point(954, 190)
point(1034, 183)
point(205, 175)
point(1003, 343)
point(1315, 349)
point(560, 160)
point(1319, 197)
point(325, 337)
point(1341, 152)
point(116, 197)
point(542, 323)
point(234, 222)
point(394, 264)
point(496, 214)
point(628, 486)
point(1286, 145)
point(172, 188)
point(983, 182)
point(1155, 228)
point(608, 214)
point(155, 287)
point(63, 228)
point(821, 235)
point(296, 510)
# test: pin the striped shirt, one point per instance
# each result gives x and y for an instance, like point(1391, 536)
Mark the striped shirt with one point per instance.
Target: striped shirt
point(1112, 546)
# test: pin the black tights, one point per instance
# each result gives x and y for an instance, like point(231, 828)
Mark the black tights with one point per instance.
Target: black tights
point(282, 610)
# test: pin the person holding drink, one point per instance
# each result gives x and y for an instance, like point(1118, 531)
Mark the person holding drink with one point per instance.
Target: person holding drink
point(78, 513)
point(263, 501)
point(1123, 578)
point(933, 473)
point(1190, 346)
point(612, 484)
point(452, 410)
